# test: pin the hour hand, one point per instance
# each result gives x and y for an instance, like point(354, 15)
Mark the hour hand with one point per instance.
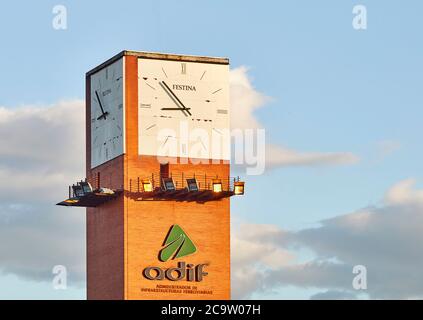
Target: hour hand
point(175, 99)
point(103, 116)
point(176, 109)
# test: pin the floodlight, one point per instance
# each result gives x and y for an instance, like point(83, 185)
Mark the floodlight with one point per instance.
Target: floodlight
point(147, 186)
point(86, 187)
point(168, 184)
point(78, 191)
point(106, 191)
point(239, 188)
point(217, 185)
point(192, 184)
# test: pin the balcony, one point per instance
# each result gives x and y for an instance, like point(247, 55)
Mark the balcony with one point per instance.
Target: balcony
point(157, 187)
point(184, 187)
point(82, 194)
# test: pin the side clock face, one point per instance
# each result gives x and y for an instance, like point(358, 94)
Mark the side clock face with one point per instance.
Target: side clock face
point(183, 109)
point(107, 132)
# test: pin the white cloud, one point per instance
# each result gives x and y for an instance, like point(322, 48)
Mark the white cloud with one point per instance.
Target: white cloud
point(403, 193)
point(41, 152)
point(246, 100)
point(251, 251)
point(384, 239)
point(279, 156)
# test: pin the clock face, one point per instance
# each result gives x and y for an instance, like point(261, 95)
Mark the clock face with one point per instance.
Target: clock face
point(107, 109)
point(183, 109)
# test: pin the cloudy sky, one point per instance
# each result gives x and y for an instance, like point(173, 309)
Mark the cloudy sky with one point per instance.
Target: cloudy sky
point(342, 110)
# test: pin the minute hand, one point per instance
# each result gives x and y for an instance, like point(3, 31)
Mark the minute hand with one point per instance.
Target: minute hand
point(174, 95)
point(103, 115)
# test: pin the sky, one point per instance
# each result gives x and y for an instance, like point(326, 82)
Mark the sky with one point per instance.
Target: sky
point(342, 111)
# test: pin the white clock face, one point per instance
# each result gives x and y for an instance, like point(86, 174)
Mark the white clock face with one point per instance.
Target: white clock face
point(107, 113)
point(183, 109)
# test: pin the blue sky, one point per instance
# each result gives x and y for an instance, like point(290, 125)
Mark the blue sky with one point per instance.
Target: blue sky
point(331, 89)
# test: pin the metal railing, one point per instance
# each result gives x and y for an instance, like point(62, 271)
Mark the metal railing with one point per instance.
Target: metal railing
point(204, 181)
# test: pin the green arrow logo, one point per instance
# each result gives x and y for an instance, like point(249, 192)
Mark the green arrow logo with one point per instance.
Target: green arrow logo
point(177, 245)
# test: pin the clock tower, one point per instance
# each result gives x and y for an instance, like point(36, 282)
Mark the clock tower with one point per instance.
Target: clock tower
point(158, 185)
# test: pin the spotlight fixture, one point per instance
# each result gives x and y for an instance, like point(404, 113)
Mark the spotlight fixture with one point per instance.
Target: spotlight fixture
point(78, 191)
point(192, 184)
point(239, 188)
point(217, 185)
point(86, 187)
point(168, 184)
point(147, 186)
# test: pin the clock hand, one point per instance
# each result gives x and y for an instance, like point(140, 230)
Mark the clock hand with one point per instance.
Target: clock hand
point(176, 109)
point(173, 98)
point(101, 107)
point(183, 109)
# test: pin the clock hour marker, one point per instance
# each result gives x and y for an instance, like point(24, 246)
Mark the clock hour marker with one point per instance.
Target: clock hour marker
point(217, 91)
point(145, 105)
point(164, 72)
point(202, 76)
point(183, 68)
point(152, 126)
point(222, 111)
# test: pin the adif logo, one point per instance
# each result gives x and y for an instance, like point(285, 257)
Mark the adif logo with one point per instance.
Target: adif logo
point(176, 245)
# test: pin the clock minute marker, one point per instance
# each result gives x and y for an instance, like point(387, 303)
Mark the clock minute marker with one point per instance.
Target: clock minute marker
point(216, 91)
